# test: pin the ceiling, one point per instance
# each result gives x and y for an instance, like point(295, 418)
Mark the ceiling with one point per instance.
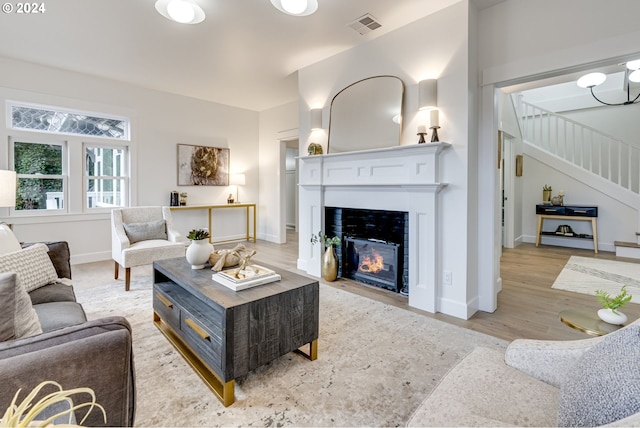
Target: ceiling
point(246, 53)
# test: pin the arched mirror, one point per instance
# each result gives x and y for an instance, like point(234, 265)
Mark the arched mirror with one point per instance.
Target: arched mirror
point(366, 115)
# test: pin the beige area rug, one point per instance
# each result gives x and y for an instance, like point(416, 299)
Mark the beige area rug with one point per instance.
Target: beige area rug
point(586, 275)
point(376, 363)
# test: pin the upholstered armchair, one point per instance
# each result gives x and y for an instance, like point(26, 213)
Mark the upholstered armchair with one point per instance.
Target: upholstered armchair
point(141, 235)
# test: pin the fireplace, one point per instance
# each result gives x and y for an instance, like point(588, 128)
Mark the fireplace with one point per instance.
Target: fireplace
point(382, 236)
point(373, 262)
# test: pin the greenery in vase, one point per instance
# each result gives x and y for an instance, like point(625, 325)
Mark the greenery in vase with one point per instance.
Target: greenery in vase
point(546, 187)
point(327, 241)
point(616, 302)
point(198, 234)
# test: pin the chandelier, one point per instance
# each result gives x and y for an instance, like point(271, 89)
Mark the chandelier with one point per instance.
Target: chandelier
point(631, 74)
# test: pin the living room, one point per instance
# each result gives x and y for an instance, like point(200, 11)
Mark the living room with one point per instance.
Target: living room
point(470, 50)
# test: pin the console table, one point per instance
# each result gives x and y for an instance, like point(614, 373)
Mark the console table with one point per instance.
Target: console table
point(210, 208)
point(568, 213)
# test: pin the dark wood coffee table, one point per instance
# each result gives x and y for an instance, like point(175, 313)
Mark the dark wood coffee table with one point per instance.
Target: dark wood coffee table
point(224, 334)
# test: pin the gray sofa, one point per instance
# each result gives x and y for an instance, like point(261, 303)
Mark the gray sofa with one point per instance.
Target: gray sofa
point(589, 382)
point(72, 351)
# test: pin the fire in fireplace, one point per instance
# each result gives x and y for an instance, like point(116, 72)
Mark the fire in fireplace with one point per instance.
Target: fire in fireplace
point(374, 262)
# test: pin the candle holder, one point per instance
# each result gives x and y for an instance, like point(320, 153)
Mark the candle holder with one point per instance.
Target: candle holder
point(421, 140)
point(434, 136)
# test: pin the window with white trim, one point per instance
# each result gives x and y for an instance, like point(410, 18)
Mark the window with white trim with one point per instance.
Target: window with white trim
point(106, 178)
point(42, 166)
point(41, 174)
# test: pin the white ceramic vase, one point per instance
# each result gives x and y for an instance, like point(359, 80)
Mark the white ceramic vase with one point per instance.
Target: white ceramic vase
point(198, 253)
point(615, 318)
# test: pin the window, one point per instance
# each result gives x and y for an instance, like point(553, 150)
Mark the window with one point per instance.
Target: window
point(106, 179)
point(59, 121)
point(40, 170)
point(89, 171)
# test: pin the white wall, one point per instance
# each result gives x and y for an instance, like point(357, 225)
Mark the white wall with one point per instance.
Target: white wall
point(276, 126)
point(159, 122)
point(411, 54)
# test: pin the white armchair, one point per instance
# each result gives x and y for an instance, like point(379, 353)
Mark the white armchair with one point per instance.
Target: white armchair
point(141, 235)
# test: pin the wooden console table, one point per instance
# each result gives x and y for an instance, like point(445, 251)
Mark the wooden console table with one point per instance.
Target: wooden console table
point(210, 208)
point(568, 213)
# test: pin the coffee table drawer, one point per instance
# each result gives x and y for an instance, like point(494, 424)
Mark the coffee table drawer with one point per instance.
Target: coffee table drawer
point(200, 337)
point(166, 307)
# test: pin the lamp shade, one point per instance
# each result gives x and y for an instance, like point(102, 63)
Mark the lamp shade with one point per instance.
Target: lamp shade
point(7, 188)
point(237, 179)
point(592, 79)
point(427, 94)
point(316, 119)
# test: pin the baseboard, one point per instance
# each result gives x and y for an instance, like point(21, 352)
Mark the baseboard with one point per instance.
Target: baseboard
point(78, 259)
point(628, 252)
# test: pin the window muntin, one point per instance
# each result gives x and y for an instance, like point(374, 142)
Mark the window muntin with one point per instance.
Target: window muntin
point(59, 121)
point(40, 169)
point(106, 177)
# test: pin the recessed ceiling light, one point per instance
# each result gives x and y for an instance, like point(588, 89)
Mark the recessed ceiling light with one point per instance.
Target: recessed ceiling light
point(182, 11)
point(296, 7)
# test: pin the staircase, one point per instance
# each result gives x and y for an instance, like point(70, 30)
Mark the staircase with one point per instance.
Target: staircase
point(601, 161)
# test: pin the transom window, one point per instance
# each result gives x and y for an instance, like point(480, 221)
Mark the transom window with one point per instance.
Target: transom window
point(60, 121)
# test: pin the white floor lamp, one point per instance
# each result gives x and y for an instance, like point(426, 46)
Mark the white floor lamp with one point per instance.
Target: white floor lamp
point(7, 189)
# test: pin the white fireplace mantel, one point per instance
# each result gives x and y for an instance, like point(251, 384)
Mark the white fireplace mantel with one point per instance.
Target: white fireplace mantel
point(402, 178)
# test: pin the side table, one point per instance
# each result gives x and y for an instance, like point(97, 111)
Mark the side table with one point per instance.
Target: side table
point(587, 322)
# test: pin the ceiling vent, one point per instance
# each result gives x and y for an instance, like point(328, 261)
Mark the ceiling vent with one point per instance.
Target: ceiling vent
point(365, 24)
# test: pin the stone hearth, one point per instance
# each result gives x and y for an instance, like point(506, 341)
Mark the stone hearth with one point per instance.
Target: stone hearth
point(402, 178)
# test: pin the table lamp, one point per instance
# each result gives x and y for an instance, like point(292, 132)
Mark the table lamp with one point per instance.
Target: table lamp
point(7, 189)
point(237, 180)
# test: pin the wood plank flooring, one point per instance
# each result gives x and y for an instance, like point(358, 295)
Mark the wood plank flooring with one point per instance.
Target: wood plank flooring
point(527, 306)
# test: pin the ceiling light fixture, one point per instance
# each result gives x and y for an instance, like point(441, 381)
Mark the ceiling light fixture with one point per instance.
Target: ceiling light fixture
point(296, 7)
point(631, 74)
point(182, 11)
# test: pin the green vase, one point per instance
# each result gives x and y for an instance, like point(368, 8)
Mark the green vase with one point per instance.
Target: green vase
point(329, 264)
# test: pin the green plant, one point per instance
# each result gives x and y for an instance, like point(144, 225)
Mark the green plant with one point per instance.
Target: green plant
point(24, 414)
point(198, 234)
point(546, 187)
point(321, 237)
point(616, 302)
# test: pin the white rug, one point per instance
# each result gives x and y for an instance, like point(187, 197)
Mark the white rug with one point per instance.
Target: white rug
point(586, 275)
point(376, 363)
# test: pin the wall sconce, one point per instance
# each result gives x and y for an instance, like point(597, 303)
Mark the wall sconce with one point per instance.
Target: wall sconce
point(237, 180)
point(316, 119)
point(427, 94)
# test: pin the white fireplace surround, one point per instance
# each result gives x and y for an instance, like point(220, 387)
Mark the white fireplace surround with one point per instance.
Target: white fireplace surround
point(402, 178)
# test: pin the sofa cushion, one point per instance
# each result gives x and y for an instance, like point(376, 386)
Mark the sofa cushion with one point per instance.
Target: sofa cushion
point(604, 384)
point(56, 315)
point(32, 266)
point(17, 317)
point(145, 231)
point(56, 292)
point(482, 390)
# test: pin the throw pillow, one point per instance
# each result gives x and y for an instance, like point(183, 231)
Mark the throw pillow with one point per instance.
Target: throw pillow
point(8, 241)
point(32, 266)
point(145, 231)
point(604, 384)
point(18, 319)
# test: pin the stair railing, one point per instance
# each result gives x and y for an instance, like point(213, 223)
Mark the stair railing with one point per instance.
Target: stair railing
point(601, 154)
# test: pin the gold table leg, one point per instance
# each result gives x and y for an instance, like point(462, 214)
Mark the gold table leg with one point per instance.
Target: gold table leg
point(313, 351)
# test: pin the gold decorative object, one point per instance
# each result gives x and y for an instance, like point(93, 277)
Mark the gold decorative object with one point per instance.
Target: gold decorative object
point(330, 264)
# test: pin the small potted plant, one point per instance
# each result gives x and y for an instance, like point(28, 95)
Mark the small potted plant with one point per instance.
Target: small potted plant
point(200, 249)
point(610, 305)
point(329, 259)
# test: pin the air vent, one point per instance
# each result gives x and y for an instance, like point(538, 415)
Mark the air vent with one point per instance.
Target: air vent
point(365, 24)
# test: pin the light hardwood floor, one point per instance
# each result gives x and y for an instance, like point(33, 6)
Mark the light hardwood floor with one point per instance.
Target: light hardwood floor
point(527, 306)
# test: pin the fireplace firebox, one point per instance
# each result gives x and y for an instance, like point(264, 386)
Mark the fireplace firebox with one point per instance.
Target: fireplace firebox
point(373, 262)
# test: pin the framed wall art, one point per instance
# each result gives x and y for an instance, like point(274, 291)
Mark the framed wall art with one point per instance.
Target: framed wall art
point(202, 165)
